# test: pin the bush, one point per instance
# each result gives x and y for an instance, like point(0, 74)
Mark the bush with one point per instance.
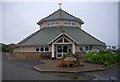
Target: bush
point(105, 57)
point(6, 48)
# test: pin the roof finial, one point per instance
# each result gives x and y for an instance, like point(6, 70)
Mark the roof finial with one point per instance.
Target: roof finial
point(60, 5)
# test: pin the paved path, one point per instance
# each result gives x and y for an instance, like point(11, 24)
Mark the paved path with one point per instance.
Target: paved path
point(24, 71)
point(52, 65)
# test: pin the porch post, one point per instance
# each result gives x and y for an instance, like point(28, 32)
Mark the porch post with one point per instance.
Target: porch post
point(73, 48)
point(53, 51)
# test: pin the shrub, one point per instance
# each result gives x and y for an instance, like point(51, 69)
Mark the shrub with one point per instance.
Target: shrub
point(105, 57)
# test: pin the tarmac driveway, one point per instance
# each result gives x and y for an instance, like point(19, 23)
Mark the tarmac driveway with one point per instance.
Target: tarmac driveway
point(30, 62)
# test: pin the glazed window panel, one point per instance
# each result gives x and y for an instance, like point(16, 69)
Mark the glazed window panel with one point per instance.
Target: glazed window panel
point(65, 40)
point(81, 48)
point(73, 23)
point(56, 22)
point(41, 48)
point(52, 23)
point(46, 49)
point(59, 49)
point(60, 40)
point(69, 23)
point(59, 55)
point(65, 22)
point(86, 48)
point(48, 23)
point(65, 49)
point(37, 49)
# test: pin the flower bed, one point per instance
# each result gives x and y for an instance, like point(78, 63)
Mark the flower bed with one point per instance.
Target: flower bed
point(70, 60)
point(67, 63)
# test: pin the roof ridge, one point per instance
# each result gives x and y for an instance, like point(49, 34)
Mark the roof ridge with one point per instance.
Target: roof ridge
point(91, 35)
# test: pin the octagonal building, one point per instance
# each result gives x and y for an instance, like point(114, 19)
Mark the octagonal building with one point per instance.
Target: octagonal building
point(59, 34)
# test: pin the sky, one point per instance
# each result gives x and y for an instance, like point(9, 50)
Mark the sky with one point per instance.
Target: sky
point(100, 19)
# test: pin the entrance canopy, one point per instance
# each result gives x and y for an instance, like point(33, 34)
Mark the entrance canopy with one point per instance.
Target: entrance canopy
point(64, 44)
point(63, 38)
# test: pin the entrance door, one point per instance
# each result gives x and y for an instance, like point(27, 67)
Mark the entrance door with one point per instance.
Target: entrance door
point(61, 51)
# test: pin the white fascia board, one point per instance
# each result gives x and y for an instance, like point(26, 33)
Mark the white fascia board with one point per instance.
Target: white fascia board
point(55, 38)
point(60, 35)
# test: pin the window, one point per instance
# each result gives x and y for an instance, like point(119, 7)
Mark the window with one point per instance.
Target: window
point(56, 23)
point(42, 49)
point(46, 49)
point(48, 23)
point(65, 48)
point(65, 22)
point(69, 50)
point(37, 49)
point(69, 23)
point(59, 55)
point(81, 48)
point(59, 49)
point(90, 47)
point(65, 40)
point(73, 23)
point(59, 40)
point(52, 23)
point(86, 48)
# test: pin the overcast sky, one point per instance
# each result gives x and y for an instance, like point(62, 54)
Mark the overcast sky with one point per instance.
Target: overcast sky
point(20, 18)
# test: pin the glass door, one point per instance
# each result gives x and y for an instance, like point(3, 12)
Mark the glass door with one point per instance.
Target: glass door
point(65, 50)
point(61, 50)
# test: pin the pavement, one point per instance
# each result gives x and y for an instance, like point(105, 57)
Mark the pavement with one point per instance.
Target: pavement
point(52, 66)
point(23, 70)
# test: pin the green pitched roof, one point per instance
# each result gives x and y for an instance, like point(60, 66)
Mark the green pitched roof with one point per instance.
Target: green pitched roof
point(60, 15)
point(45, 35)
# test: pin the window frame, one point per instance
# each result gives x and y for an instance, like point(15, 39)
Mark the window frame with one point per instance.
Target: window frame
point(44, 50)
point(52, 23)
point(69, 23)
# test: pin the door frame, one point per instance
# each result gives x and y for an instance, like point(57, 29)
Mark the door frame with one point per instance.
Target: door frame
point(62, 53)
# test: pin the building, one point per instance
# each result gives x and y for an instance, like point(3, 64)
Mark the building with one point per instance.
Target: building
point(59, 34)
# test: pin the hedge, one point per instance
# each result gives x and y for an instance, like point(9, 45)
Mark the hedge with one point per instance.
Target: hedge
point(105, 57)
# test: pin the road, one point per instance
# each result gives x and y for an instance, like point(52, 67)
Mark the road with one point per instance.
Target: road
point(12, 70)
point(111, 73)
point(21, 70)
